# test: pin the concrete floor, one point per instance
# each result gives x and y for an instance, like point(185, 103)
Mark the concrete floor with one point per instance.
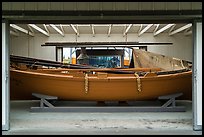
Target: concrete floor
point(24, 122)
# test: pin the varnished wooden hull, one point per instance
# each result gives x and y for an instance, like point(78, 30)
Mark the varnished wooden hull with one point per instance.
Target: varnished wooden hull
point(110, 87)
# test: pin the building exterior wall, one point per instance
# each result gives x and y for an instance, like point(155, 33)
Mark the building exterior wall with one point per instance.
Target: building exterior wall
point(63, 6)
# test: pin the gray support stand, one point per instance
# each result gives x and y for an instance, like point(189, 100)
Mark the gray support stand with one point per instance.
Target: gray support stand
point(169, 106)
point(43, 100)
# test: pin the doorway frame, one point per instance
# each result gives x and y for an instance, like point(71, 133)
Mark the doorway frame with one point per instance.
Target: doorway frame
point(7, 61)
point(5, 76)
point(196, 76)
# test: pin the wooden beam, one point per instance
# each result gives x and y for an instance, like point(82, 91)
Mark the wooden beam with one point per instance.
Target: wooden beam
point(171, 29)
point(140, 28)
point(127, 29)
point(77, 27)
point(157, 26)
point(145, 29)
point(102, 44)
point(75, 30)
point(39, 29)
point(21, 29)
point(57, 29)
point(109, 29)
point(31, 29)
point(180, 29)
point(62, 28)
point(32, 62)
point(14, 33)
point(188, 33)
point(93, 30)
point(46, 29)
point(163, 29)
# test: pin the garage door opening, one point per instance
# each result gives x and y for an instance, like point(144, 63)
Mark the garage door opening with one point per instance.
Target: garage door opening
point(25, 36)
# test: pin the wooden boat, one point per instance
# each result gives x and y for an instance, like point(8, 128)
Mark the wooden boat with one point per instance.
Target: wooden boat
point(152, 75)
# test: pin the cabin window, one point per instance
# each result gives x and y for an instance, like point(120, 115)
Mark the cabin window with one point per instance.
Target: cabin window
point(102, 58)
point(105, 61)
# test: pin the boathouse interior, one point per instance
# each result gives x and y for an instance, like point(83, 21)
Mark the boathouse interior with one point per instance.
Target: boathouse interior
point(67, 32)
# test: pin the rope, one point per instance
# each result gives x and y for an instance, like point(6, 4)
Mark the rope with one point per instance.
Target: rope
point(138, 82)
point(86, 83)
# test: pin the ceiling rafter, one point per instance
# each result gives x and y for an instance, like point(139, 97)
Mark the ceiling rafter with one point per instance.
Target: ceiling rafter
point(57, 29)
point(21, 29)
point(140, 28)
point(77, 27)
point(15, 30)
point(14, 33)
point(187, 32)
point(127, 29)
point(109, 29)
point(31, 29)
point(163, 29)
point(172, 28)
point(93, 30)
point(62, 28)
point(145, 29)
point(180, 29)
point(75, 30)
point(39, 29)
point(46, 29)
point(157, 26)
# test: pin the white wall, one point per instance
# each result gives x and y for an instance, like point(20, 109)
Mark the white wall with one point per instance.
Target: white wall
point(182, 46)
point(31, 46)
